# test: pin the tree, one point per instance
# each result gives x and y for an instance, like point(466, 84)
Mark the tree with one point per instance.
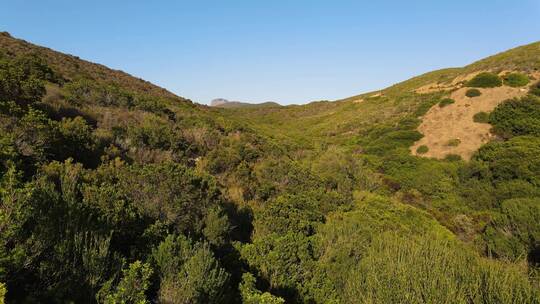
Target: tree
point(189, 272)
point(3, 292)
point(132, 287)
point(251, 295)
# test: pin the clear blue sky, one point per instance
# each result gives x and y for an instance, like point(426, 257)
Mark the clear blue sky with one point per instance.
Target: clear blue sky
point(287, 51)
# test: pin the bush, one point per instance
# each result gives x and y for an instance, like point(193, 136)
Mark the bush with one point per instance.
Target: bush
point(190, 272)
point(445, 102)
point(481, 117)
point(433, 270)
point(515, 232)
point(535, 89)
point(516, 158)
point(453, 157)
point(423, 149)
point(473, 93)
point(133, 286)
point(516, 80)
point(250, 294)
point(2, 292)
point(453, 142)
point(485, 80)
point(517, 117)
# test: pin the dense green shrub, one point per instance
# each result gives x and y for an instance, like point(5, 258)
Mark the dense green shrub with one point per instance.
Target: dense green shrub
point(22, 80)
point(423, 149)
point(535, 89)
point(251, 295)
point(344, 239)
point(516, 80)
point(485, 80)
point(298, 213)
point(517, 158)
point(172, 193)
point(2, 292)
point(473, 93)
point(481, 117)
point(189, 272)
point(515, 233)
point(133, 286)
point(445, 102)
point(517, 117)
point(284, 261)
point(453, 157)
point(433, 270)
point(88, 92)
point(392, 140)
point(453, 142)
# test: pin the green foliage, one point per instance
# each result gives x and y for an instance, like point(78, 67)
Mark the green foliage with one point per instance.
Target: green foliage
point(473, 93)
point(517, 117)
point(515, 233)
point(189, 272)
point(251, 295)
point(485, 80)
point(423, 149)
point(535, 89)
point(392, 140)
point(172, 193)
point(445, 102)
point(299, 213)
point(85, 91)
point(22, 79)
point(453, 157)
point(343, 240)
point(133, 286)
point(481, 117)
point(516, 158)
point(516, 80)
point(3, 292)
point(443, 272)
point(453, 142)
point(216, 227)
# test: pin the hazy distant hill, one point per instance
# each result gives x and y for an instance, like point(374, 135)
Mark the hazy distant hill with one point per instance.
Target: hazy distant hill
point(224, 103)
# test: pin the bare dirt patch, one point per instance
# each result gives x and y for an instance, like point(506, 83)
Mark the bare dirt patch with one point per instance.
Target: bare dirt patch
point(455, 121)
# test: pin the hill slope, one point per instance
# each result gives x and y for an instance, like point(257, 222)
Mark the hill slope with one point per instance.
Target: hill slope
point(337, 122)
point(72, 67)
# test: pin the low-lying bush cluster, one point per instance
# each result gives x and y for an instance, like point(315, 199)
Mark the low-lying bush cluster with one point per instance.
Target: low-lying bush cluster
point(517, 117)
point(423, 149)
point(516, 80)
point(445, 102)
point(535, 89)
point(481, 117)
point(433, 270)
point(473, 93)
point(485, 80)
point(453, 142)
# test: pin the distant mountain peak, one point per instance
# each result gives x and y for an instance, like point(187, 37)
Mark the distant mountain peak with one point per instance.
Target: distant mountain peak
point(224, 103)
point(218, 102)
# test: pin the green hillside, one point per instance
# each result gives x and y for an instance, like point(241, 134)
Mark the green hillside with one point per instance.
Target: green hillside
point(114, 190)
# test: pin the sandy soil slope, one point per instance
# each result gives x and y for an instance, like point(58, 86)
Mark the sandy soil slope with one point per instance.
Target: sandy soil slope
point(455, 121)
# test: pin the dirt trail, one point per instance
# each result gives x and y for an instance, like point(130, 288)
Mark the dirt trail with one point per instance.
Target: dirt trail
point(455, 121)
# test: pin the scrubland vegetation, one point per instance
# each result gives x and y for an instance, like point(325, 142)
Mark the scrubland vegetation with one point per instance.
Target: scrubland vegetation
point(485, 80)
point(473, 93)
point(445, 102)
point(111, 193)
